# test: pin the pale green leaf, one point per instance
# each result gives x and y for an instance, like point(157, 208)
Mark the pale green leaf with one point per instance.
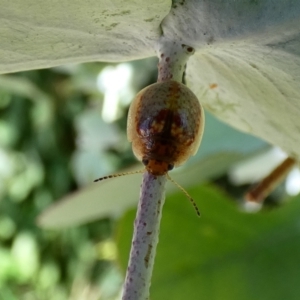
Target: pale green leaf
point(245, 70)
point(254, 88)
point(41, 34)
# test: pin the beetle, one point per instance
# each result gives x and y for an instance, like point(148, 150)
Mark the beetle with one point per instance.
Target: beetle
point(165, 126)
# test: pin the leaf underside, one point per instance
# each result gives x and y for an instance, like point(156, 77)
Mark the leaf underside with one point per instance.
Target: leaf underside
point(245, 71)
point(42, 34)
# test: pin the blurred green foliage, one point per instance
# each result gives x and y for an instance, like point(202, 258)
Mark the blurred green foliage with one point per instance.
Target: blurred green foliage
point(39, 116)
point(227, 254)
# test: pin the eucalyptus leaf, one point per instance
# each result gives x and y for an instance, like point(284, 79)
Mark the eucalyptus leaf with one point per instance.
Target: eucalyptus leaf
point(255, 89)
point(36, 34)
point(246, 68)
point(226, 254)
point(212, 24)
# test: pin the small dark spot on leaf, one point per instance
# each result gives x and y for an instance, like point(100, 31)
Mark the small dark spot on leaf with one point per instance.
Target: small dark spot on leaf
point(122, 13)
point(213, 85)
point(125, 12)
point(149, 20)
point(113, 25)
point(210, 40)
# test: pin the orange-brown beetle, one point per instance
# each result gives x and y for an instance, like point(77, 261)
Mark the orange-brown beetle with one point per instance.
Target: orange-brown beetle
point(165, 126)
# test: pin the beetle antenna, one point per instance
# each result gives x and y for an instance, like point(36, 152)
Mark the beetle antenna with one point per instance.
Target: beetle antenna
point(118, 175)
point(187, 195)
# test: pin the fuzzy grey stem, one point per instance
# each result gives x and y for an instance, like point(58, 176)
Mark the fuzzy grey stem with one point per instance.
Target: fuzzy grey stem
point(145, 238)
point(172, 59)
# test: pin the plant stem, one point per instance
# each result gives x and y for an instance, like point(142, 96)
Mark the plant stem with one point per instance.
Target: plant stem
point(259, 192)
point(145, 238)
point(172, 60)
point(173, 57)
